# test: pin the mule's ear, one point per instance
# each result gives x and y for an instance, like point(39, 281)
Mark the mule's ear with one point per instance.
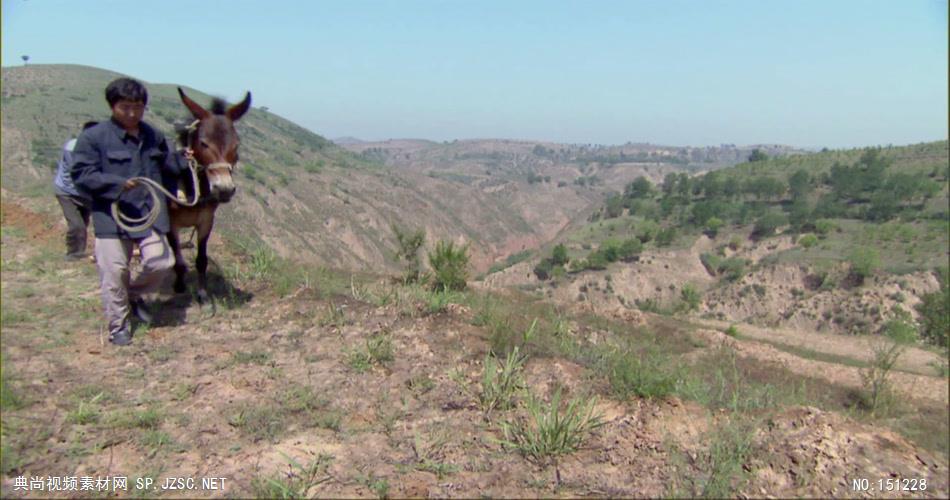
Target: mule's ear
point(237, 111)
point(196, 110)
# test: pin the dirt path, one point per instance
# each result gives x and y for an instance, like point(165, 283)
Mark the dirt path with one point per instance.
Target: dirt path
point(914, 359)
point(923, 387)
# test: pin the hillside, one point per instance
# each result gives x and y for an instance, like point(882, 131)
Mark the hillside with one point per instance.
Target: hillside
point(309, 383)
point(300, 194)
point(839, 241)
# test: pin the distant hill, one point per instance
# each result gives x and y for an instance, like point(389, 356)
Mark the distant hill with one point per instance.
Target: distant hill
point(478, 153)
point(344, 141)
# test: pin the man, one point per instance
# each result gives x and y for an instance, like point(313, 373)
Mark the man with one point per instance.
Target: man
point(105, 160)
point(76, 206)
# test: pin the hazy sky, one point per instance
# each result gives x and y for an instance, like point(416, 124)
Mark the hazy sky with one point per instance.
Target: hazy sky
point(806, 73)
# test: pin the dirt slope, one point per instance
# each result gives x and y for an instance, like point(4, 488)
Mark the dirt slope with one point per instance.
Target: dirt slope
point(235, 394)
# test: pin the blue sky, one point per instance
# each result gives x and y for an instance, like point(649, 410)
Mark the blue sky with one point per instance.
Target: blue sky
point(806, 73)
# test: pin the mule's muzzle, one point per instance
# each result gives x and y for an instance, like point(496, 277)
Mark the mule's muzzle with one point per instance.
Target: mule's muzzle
point(221, 182)
point(223, 194)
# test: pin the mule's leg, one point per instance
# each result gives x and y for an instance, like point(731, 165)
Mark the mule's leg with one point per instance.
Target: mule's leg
point(180, 266)
point(201, 262)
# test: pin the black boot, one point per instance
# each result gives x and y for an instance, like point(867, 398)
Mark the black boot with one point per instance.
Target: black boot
point(140, 311)
point(121, 337)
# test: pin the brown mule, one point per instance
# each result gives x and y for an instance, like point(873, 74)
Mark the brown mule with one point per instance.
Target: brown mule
point(214, 142)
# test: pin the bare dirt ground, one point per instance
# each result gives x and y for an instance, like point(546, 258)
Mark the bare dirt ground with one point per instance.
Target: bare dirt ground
point(267, 380)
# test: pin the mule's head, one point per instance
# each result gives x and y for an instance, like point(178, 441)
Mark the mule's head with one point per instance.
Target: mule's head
point(215, 142)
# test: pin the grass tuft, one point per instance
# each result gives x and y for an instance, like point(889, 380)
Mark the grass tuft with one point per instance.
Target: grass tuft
point(549, 432)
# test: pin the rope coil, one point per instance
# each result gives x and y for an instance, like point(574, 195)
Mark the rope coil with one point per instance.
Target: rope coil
point(138, 224)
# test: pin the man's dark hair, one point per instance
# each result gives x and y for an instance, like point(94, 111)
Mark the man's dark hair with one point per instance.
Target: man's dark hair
point(126, 89)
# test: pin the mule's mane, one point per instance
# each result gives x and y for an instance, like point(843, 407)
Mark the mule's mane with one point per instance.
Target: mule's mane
point(219, 106)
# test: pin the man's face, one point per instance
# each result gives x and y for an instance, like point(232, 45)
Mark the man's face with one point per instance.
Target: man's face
point(128, 113)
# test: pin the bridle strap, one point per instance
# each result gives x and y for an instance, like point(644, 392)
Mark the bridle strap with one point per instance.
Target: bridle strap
point(220, 166)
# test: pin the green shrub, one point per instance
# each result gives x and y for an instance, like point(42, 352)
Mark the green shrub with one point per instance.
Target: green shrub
point(438, 301)
point(665, 237)
point(766, 225)
point(864, 261)
point(646, 375)
point(691, 297)
point(823, 227)
point(711, 262)
point(449, 266)
point(900, 331)
point(735, 242)
point(630, 249)
point(808, 241)
point(597, 260)
point(876, 376)
point(559, 255)
point(543, 269)
point(733, 268)
point(713, 225)
point(934, 310)
point(647, 231)
point(410, 241)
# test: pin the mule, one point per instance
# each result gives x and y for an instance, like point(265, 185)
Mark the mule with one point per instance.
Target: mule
point(214, 143)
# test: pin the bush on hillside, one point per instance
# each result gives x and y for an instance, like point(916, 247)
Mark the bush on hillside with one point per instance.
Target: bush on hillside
point(711, 262)
point(665, 237)
point(799, 184)
point(823, 227)
point(901, 330)
point(559, 255)
point(934, 310)
point(543, 269)
point(800, 216)
point(691, 297)
point(558, 259)
point(410, 241)
point(630, 250)
point(449, 266)
point(713, 225)
point(641, 187)
point(766, 225)
point(733, 269)
point(864, 261)
point(647, 231)
point(808, 241)
point(597, 261)
point(614, 207)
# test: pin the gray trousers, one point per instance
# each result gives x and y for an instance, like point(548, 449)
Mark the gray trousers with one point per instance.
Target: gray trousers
point(76, 210)
point(112, 259)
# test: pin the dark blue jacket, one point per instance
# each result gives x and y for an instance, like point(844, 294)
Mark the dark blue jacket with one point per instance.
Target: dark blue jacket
point(105, 157)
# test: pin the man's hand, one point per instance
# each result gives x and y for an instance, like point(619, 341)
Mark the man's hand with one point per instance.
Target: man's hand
point(131, 183)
